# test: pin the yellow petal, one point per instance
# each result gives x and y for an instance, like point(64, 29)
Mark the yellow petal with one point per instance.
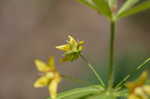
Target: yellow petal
point(41, 82)
point(142, 91)
point(139, 82)
point(41, 66)
point(53, 87)
point(132, 96)
point(146, 89)
point(143, 77)
point(50, 75)
point(81, 42)
point(139, 91)
point(131, 86)
point(65, 47)
point(72, 40)
point(51, 63)
point(81, 48)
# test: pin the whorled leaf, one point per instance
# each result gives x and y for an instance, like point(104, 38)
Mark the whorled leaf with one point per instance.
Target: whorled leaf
point(139, 8)
point(112, 3)
point(100, 6)
point(123, 93)
point(92, 92)
point(112, 94)
point(127, 5)
point(89, 3)
point(103, 7)
point(81, 93)
point(103, 96)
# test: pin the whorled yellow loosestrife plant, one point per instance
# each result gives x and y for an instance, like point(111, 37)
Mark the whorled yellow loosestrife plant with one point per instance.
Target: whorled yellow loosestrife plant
point(73, 50)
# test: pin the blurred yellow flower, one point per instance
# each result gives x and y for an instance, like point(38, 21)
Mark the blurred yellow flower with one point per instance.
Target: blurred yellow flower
point(50, 77)
point(72, 49)
point(138, 89)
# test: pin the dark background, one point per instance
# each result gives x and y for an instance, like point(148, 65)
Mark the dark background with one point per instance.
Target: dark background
point(31, 29)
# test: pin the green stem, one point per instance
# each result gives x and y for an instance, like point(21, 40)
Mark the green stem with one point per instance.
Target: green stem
point(94, 71)
point(111, 55)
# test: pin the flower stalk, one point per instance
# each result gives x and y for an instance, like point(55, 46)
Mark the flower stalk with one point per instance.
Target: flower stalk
point(93, 70)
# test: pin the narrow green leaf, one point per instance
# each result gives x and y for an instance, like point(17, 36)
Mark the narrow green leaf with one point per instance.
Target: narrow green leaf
point(103, 96)
point(127, 5)
point(143, 64)
point(120, 84)
point(99, 5)
point(123, 93)
point(89, 3)
point(103, 7)
point(139, 8)
point(80, 92)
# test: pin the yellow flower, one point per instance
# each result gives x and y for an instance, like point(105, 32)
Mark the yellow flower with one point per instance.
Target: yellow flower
point(72, 49)
point(50, 77)
point(138, 89)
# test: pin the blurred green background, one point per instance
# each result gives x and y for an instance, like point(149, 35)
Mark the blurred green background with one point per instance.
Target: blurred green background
point(31, 29)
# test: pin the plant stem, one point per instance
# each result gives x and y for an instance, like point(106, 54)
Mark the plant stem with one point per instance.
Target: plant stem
point(93, 69)
point(111, 55)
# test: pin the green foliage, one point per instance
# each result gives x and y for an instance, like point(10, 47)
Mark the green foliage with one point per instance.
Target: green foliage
point(139, 8)
point(112, 3)
point(89, 3)
point(100, 5)
point(103, 7)
point(138, 68)
point(106, 7)
point(91, 92)
point(102, 96)
point(81, 93)
point(72, 51)
point(127, 5)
